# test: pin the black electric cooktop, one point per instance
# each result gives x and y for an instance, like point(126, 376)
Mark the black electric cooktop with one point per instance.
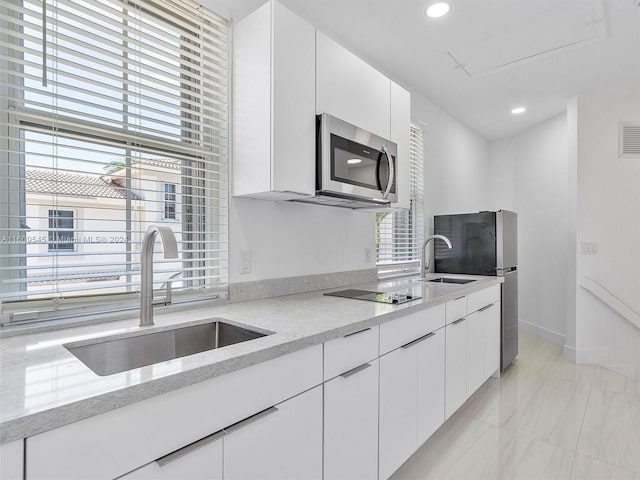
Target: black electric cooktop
point(393, 297)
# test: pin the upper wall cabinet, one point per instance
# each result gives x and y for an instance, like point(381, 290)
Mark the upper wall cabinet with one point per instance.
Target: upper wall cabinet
point(274, 105)
point(399, 133)
point(350, 89)
point(286, 73)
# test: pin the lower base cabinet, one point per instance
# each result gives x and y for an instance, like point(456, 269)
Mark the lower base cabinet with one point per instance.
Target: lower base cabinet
point(398, 408)
point(411, 398)
point(351, 424)
point(456, 366)
point(282, 443)
point(493, 332)
point(475, 352)
point(431, 354)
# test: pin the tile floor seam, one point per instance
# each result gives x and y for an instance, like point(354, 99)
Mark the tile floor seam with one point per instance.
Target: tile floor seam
point(584, 415)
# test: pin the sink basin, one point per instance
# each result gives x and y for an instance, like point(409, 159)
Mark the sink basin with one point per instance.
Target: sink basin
point(460, 281)
point(107, 356)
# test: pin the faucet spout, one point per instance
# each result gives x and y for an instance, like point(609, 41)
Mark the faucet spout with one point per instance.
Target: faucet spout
point(425, 260)
point(146, 268)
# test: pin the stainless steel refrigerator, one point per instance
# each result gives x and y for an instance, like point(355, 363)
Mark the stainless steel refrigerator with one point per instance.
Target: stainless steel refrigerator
point(485, 243)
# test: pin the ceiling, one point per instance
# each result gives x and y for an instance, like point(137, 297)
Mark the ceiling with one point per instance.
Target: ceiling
point(485, 57)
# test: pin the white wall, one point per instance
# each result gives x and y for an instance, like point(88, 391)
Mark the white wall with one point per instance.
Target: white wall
point(502, 185)
point(528, 174)
point(291, 239)
point(608, 213)
point(456, 163)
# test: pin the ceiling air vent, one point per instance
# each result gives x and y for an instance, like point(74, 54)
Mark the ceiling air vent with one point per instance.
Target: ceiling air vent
point(629, 139)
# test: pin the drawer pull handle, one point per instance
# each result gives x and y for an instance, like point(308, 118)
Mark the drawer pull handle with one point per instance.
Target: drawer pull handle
point(418, 340)
point(353, 371)
point(186, 450)
point(249, 420)
point(459, 298)
point(486, 308)
point(355, 333)
point(460, 320)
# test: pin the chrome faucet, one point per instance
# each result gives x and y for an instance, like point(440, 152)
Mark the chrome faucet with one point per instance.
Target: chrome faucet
point(425, 260)
point(146, 269)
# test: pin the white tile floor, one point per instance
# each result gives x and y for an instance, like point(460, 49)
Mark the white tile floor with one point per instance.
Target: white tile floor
point(544, 419)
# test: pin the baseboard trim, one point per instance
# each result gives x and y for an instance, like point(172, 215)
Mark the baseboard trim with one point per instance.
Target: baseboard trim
point(569, 354)
point(544, 333)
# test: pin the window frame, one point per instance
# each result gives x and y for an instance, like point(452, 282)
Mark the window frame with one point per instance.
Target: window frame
point(18, 120)
point(407, 225)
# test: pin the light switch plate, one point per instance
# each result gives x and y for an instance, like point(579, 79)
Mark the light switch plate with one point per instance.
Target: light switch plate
point(245, 261)
point(368, 256)
point(589, 248)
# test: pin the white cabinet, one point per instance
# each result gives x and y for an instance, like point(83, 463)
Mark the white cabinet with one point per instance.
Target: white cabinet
point(284, 73)
point(274, 105)
point(456, 309)
point(473, 346)
point(350, 351)
point(491, 318)
point(350, 89)
point(411, 398)
point(122, 440)
point(351, 424)
point(281, 443)
point(12, 460)
point(398, 408)
point(456, 366)
point(475, 352)
point(431, 368)
point(202, 460)
point(399, 133)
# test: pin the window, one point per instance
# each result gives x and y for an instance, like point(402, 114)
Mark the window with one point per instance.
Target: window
point(61, 230)
point(114, 115)
point(399, 234)
point(170, 201)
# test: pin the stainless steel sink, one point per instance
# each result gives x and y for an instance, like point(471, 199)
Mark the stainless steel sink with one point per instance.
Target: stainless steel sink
point(460, 281)
point(106, 356)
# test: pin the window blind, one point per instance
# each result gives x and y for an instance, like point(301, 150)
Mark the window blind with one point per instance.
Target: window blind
point(104, 103)
point(399, 234)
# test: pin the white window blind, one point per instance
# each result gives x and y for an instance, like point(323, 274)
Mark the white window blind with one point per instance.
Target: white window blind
point(104, 102)
point(399, 234)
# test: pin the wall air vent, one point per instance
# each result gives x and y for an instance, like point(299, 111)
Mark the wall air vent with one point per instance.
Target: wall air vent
point(629, 140)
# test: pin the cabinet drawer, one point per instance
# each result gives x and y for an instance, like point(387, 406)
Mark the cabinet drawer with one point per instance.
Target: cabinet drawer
point(456, 309)
point(350, 351)
point(485, 297)
point(403, 330)
point(119, 441)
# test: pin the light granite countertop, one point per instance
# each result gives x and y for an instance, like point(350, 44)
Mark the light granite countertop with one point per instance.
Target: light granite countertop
point(43, 386)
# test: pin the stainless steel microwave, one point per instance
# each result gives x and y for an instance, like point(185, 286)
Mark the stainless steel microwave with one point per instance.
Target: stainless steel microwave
point(353, 165)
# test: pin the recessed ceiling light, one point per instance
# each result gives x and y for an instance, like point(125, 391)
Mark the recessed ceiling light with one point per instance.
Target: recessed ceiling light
point(518, 110)
point(437, 10)
point(353, 161)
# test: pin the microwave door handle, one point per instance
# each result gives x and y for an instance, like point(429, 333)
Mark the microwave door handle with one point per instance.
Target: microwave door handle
point(392, 172)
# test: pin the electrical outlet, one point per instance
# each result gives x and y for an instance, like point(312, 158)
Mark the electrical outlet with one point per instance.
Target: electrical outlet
point(368, 257)
point(245, 261)
point(589, 248)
